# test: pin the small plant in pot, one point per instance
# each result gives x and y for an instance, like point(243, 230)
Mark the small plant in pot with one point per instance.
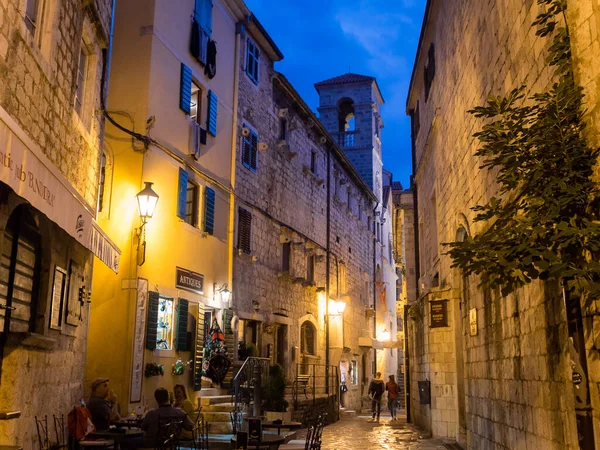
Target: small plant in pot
point(275, 402)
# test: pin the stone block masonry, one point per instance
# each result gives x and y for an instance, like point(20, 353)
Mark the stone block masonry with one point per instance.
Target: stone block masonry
point(42, 370)
point(504, 362)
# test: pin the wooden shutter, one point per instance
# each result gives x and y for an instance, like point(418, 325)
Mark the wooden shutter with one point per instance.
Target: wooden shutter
point(185, 89)
point(152, 321)
point(244, 230)
point(246, 149)
point(182, 194)
point(209, 210)
point(199, 348)
point(253, 150)
point(213, 105)
point(181, 343)
point(203, 14)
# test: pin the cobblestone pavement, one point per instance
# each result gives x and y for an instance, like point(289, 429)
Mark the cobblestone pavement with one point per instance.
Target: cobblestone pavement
point(357, 433)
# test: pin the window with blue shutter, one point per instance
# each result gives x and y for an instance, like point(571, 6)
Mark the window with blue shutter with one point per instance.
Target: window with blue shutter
point(152, 322)
point(250, 150)
point(209, 210)
point(181, 342)
point(244, 230)
point(252, 61)
point(211, 118)
point(203, 15)
point(182, 194)
point(185, 89)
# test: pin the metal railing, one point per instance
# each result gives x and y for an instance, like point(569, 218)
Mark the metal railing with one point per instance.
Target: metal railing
point(251, 375)
point(315, 380)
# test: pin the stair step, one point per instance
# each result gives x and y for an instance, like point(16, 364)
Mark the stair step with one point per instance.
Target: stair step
point(220, 427)
point(214, 399)
point(219, 407)
point(216, 416)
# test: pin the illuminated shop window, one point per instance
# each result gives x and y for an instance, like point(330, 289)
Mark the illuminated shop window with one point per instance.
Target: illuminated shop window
point(164, 328)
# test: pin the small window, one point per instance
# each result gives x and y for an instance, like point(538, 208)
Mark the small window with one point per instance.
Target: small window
point(310, 268)
point(81, 80)
point(191, 204)
point(429, 72)
point(33, 11)
point(196, 103)
point(313, 162)
point(283, 129)
point(349, 199)
point(353, 372)
point(102, 183)
point(250, 149)
point(244, 230)
point(285, 257)
point(252, 61)
point(164, 327)
point(360, 212)
point(308, 339)
point(415, 121)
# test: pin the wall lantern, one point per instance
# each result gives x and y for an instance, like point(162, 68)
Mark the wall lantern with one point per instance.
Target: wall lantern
point(225, 294)
point(147, 200)
point(385, 335)
point(341, 307)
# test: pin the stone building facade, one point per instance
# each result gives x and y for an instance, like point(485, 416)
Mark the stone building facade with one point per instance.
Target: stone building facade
point(304, 234)
point(498, 373)
point(51, 140)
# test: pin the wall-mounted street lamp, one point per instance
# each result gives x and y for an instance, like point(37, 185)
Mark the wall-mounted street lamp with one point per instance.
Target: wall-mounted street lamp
point(384, 335)
point(147, 200)
point(336, 308)
point(225, 294)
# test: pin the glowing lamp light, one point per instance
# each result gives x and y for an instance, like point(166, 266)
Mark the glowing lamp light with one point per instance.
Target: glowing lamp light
point(385, 335)
point(147, 200)
point(341, 307)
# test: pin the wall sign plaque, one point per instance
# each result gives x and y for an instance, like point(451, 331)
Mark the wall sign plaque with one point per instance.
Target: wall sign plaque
point(473, 322)
point(439, 313)
point(189, 281)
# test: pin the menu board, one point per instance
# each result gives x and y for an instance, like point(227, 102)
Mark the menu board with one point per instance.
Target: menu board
point(137, 371)
point(58, 295)
point(439, 313)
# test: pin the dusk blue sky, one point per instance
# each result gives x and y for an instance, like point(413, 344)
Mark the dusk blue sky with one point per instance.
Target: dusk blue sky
point(322, 39)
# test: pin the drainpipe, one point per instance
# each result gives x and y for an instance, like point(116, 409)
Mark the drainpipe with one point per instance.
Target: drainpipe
point(328, 271)
point(375, 287)
point(234, 123)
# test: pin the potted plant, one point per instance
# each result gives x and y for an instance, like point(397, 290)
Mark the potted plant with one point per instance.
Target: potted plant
point(275, 402)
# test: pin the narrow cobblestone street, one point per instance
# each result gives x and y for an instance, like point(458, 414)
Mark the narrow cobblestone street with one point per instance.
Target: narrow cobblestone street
point(357, 433)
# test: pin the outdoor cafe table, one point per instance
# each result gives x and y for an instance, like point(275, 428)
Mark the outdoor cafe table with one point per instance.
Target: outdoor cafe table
point(117, 436)
point(279, 426)
point(271, 440)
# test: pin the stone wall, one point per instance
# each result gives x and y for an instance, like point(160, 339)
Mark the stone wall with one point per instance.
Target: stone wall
point(288, 202)
point(43, 371)
point(38, 76)
point(514, 369)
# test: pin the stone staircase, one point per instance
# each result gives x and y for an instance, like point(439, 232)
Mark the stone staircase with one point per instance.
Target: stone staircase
point(216, 408)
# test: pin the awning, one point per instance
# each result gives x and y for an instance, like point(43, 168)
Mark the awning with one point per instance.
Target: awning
point(25, 168)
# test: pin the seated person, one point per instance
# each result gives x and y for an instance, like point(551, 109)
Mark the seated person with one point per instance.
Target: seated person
point(161, 416)
point(102, 404)
point(185, 404)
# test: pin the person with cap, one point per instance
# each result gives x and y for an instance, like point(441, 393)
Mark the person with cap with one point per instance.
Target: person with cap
point(102, 404)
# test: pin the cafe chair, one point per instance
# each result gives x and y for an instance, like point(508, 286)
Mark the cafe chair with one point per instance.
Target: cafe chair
point(201, 435)
point(241, 440)
point(168, 434)
point(60, 428)
point(42, 432)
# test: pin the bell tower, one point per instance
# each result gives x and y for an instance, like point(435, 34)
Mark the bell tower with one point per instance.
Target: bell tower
point(349, 109)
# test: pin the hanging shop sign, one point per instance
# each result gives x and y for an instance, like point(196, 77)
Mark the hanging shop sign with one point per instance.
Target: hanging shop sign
point(438, 313)
point(25, 168)
point(189, 281)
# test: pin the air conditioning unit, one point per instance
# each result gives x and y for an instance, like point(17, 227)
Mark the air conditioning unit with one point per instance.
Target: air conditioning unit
point(245, 131)
point(283, 112)
point(263, 146)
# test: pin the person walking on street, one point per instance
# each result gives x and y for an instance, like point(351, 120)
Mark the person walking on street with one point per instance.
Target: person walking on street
point(376, 389)
point(392, 389)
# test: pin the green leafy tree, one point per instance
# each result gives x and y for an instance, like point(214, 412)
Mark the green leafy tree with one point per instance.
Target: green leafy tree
point(275, 390)
point(543, 222)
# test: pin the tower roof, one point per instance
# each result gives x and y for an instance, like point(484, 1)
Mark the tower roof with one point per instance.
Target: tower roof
point(348, 78)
